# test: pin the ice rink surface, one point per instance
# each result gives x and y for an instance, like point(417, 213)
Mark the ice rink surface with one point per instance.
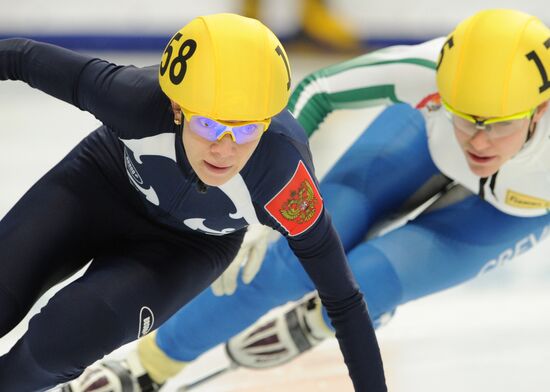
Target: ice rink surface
point(491, 334)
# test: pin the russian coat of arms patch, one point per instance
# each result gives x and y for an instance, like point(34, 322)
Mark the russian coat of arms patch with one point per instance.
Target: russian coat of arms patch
point(298, 204)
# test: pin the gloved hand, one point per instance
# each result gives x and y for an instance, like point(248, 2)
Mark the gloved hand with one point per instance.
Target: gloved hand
point(247, 262)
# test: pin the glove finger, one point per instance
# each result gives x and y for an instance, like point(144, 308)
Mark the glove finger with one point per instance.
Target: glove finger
point(230, 281)
point(217, 287)
point(226, 284)
point(229, 278)
point(261, 249)
point(253, 265)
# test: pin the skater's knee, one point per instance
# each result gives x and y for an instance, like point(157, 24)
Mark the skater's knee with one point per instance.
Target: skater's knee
point(12, 312)
point(377, 278)
point(79, 328)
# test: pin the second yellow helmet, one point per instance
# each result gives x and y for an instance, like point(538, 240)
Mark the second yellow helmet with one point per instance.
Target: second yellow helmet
point(495, 64)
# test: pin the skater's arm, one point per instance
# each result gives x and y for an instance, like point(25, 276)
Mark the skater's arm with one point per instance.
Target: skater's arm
point(289, 201)
point(122, 97)
point(49, 68)
point(323, 258)
point(398, 74)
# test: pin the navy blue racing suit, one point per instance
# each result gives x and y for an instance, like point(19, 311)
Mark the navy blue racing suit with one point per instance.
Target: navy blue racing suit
point(127, 197)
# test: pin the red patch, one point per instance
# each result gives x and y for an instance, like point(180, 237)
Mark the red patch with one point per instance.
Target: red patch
point(433, 99)
point(298, 205)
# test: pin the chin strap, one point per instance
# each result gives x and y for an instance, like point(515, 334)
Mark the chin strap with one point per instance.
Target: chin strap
point(492, 185)
point(530, 132)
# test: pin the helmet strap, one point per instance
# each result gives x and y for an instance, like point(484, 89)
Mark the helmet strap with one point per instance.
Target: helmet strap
point(530, 129)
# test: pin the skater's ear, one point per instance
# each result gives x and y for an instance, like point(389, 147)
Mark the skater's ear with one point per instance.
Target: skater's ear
point(176, 109)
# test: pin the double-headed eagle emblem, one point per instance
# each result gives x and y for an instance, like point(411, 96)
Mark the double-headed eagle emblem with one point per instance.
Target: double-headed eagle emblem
point(301, 206)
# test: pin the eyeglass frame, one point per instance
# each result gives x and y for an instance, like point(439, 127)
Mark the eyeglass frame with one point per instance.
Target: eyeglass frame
point(481, 124)
point(229, 124)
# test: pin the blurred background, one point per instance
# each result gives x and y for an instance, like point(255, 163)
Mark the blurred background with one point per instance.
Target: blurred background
point(337, 24)
point(490, 334)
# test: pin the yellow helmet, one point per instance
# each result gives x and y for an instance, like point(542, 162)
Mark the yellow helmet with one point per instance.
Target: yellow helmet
point(226, 67)
point(495, 64)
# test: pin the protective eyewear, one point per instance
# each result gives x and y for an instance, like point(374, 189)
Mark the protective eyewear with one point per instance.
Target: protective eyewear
point(494, 128)
point(212, 130)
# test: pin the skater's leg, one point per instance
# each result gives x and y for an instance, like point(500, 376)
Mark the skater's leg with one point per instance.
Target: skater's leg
point(457, 243)
point(42, 241)
point(439, 250)
point(125, 293)
point(384, 167)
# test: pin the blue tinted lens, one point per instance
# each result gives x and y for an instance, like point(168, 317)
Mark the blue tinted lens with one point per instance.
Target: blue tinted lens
point(247, 133)
point(206, 127)
point(211, 130)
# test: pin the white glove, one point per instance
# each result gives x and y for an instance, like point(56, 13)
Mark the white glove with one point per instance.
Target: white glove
point(248, 260)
